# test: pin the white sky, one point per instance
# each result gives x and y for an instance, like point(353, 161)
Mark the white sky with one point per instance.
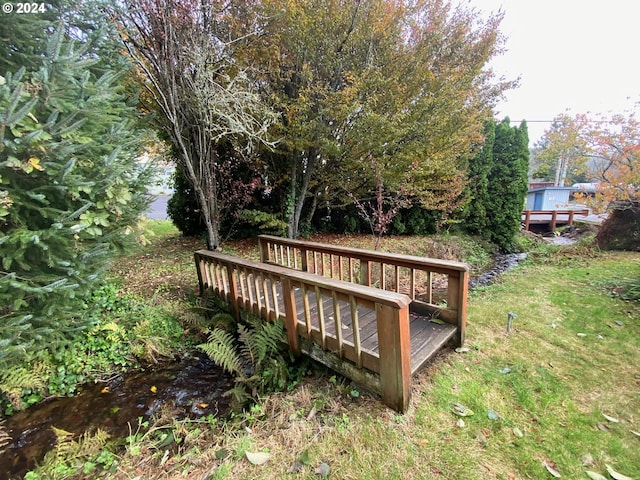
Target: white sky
point(572, 56)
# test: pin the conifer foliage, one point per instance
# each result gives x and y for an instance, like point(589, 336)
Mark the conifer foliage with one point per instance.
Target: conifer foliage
point(69, 189)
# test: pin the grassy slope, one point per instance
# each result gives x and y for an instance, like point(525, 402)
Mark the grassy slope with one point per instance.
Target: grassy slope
point(542, 379)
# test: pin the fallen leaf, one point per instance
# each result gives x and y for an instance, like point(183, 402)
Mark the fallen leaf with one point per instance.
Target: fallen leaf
point(602, 426)
point(437, 320)
point(587, 460)
point(581, 334)
point(637, 434)
point(482, 438)
point(323, 470)
point(222, 454)
point(257, 458)
point(460, 423)
point(551, 468)
point(611, 419)
point(517, 432)
point(616, 475)
point(105, 390)
point(305, 458)
point(619, 323)
point(462, 350)
point(153, 389)
point(296, 467)
point(493, 415)
point(202, 405)
point(595, 476)
point(461, 410)
point(505, 370)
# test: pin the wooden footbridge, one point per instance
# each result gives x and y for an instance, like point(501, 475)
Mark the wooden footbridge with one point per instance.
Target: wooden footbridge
point(374, 317)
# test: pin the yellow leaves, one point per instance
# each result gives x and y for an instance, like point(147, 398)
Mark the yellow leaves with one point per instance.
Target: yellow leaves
point(33, 163)
point(153, 389)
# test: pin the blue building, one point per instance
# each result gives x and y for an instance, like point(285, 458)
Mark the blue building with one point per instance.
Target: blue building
point(548, 198)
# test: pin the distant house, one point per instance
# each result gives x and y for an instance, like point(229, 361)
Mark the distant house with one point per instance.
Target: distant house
point(548, 198)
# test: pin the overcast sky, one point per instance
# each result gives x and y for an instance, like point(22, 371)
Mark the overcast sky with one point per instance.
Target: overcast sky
point(571, 56)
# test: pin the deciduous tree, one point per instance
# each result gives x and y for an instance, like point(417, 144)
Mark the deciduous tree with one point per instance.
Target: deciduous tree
point(404, 82)
point(203, 98)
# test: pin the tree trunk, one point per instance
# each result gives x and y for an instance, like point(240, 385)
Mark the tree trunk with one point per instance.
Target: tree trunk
point(296, 213)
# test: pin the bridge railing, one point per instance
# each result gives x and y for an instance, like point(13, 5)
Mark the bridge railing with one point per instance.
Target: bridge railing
point(313, 308)
point(435, 287)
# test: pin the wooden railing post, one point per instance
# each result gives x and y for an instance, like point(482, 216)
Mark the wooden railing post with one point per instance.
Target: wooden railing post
point(395, 355)
point(290, 314)
point(365, 272)
point(263, 249)
point(527, 219)
point(199, 266)
point(232, 294)
point(457, 290)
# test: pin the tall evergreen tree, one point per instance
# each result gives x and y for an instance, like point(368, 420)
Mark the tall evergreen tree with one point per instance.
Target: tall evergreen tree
point(475, 212)
point(70, 191)
point(507, 183)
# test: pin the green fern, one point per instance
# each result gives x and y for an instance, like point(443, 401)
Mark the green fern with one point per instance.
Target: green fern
point(221, 349)
point(14, 381)
point(4, 437)
point(254, 358)
point(70, 455)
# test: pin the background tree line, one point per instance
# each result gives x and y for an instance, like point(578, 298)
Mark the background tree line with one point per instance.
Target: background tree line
point(368, 97)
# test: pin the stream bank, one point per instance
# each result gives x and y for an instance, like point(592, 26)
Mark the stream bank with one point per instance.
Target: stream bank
point(189, 388)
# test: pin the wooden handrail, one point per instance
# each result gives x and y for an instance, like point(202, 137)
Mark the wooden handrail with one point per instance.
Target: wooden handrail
point(356, 265)
point(434, 265)
point(257, 287)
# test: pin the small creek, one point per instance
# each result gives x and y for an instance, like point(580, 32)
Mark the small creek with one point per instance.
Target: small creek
point(190, 388)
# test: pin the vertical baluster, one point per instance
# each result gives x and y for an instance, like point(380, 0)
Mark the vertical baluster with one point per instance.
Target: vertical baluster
point(296, 252)
point(242, 278)
point(288, 256)
point(351, 276)
point(323, 333)
point(429, 287)
point(307, 310)
point(412, 284)
point(338, 322)
point(265, 292)
point(355, 325)
point(274, 294)
point(256, 284)
point(249, 275)
point(397, 279)
point(383, 276)
point(341, 270)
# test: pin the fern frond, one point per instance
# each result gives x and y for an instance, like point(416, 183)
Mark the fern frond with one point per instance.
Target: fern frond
point(15, 380)
point(5, 438)
point(269, 339)
point(247, 346)
point(221, 350)
point(239, 396)
point(88, 445)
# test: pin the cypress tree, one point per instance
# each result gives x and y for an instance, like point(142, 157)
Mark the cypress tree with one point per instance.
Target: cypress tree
point(70, 191)
point(507, 183)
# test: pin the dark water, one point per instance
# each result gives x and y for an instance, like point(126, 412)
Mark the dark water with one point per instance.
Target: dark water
point(190, 388)
point(501, 264)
